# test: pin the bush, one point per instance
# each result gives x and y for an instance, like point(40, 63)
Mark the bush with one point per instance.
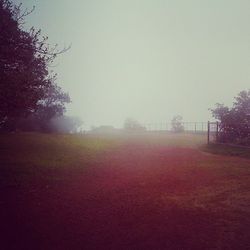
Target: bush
point(177, 124)
point(133, 125)
point(234, 122)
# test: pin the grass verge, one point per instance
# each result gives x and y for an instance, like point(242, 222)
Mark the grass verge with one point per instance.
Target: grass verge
point(229, 150)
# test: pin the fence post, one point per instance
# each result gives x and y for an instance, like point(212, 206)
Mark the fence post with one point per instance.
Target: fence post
point(208, 132)
point(217, 131)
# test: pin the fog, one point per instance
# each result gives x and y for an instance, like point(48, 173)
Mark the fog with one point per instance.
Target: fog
point(149, 60)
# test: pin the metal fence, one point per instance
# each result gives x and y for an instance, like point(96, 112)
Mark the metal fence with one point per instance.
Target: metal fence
point(209, 128)
point(196, 127)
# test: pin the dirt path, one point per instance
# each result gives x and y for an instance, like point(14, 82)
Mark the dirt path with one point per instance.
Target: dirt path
point(129, 200)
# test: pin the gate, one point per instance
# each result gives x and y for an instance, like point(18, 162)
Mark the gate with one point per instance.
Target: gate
point(212, 132)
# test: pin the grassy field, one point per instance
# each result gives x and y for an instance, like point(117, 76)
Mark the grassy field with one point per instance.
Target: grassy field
point(148, 191)
point(27, 156)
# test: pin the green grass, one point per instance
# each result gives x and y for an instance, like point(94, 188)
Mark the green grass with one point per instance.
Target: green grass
point(216, 178)
point(228, 150)
point(27, 156)
point(163, 139)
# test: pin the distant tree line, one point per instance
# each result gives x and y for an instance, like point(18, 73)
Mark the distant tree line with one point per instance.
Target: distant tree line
point(30, 98)
point(133, 125)
point(235, 121)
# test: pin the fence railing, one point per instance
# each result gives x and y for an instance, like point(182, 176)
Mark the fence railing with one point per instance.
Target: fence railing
point(168, 126)
point(211, 128)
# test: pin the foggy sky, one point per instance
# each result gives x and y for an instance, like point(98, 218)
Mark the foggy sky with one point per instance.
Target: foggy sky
point(148, 60)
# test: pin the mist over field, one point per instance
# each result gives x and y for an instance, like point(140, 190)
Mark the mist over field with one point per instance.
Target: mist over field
point(149, 60)
point(133, 132)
